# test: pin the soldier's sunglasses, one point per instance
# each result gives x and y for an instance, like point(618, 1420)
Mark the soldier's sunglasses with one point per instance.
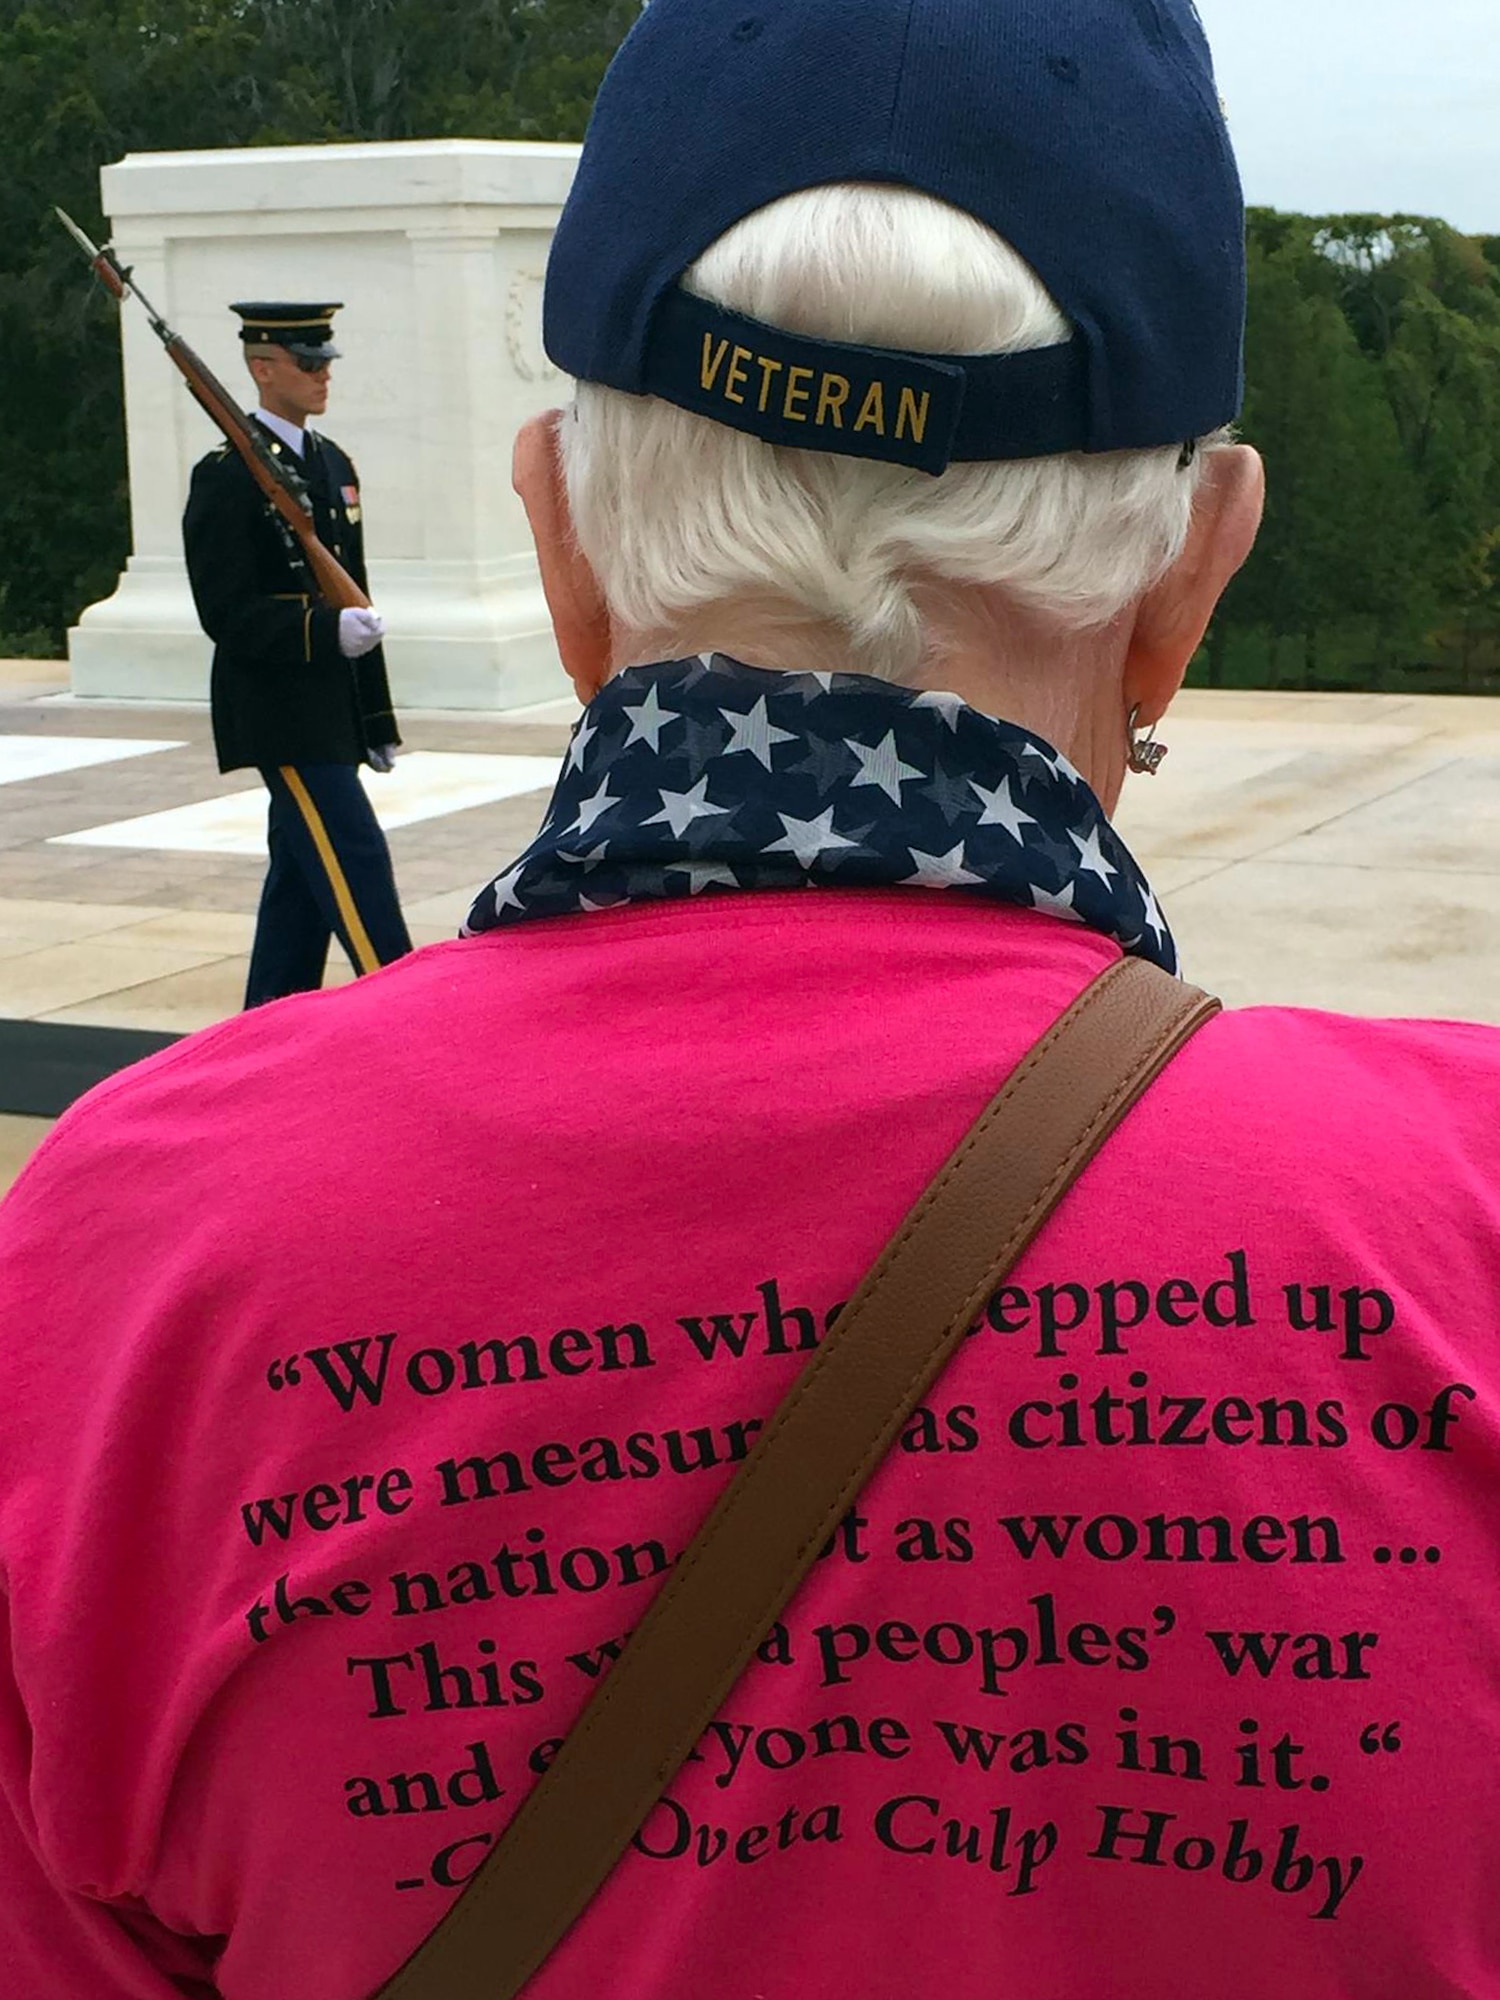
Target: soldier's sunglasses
point(309, 366)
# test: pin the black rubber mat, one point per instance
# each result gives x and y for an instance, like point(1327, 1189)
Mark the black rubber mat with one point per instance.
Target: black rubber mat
point(45, 1065)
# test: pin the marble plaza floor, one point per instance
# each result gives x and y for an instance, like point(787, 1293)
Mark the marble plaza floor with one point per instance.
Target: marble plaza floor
point(1313, 850)
point(130, 869)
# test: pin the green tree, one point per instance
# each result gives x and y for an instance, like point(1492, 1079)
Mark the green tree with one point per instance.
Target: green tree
point(1374, 369)
point(1344, 531)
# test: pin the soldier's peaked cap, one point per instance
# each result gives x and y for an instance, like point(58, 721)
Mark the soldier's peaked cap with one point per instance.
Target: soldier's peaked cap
point(1088, 133)
point(304, 330)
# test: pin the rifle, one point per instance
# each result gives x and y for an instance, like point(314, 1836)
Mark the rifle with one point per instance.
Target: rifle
point(276, 479)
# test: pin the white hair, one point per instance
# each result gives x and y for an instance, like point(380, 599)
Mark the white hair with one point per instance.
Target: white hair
point(678, 515)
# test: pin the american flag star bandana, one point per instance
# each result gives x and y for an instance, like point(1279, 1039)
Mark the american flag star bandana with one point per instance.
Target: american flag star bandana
point(701, 776)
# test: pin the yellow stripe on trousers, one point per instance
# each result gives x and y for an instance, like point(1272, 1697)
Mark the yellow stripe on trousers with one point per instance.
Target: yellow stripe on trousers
point(359, 937)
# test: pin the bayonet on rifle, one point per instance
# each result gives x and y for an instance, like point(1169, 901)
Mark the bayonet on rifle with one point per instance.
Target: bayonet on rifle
point(277, 479)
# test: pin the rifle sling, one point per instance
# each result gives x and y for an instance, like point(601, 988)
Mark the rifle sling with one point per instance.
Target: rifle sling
point(808, 1467)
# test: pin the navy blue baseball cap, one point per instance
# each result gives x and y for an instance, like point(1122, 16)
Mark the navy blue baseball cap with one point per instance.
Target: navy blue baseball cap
point(1088, 133)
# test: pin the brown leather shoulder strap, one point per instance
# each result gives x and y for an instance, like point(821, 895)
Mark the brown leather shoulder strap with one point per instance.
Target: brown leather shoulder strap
point(806, 1471)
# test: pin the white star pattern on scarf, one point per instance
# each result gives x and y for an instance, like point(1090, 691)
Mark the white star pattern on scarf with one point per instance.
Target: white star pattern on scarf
point(1155, 921)
point(1057, 906)
point(934, 803)
point(594, 858)
point(680, 809)
point(755, 733)
point(505, 891)
point(1056, 763)
point(1091, 856)
point(883, 767)
point(1000, 808)
point(941, 871)
point(949, 706)
point(595, 808)
point(808, 838)
point(708, 875)
point(578, 749)
point(647, 721)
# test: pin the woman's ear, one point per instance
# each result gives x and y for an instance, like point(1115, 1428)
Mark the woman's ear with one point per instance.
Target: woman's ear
point(580, 616)
point(1174, 615)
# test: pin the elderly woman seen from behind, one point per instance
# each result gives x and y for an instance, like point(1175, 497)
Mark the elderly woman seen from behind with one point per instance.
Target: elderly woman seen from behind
point(342, 1454)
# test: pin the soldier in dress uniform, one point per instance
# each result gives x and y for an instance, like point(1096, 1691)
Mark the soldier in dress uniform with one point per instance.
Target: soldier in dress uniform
point(299, 687)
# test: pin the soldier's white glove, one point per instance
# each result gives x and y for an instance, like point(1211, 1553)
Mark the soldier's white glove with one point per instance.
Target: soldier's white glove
point(382, 759)
point(360, 632)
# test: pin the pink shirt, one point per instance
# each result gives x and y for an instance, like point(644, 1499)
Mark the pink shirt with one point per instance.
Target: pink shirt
point(367, 1360)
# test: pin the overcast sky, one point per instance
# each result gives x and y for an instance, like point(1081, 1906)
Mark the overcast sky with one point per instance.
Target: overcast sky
point(1340, 105)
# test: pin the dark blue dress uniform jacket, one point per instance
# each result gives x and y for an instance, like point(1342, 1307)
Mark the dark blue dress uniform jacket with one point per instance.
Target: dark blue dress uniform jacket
point(282, 691)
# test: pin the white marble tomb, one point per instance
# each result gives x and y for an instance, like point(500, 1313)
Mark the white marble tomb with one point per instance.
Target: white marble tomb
point(438, 249)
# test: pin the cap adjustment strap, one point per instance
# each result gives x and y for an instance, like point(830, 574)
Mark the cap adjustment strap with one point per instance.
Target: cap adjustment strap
point(919, 410)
